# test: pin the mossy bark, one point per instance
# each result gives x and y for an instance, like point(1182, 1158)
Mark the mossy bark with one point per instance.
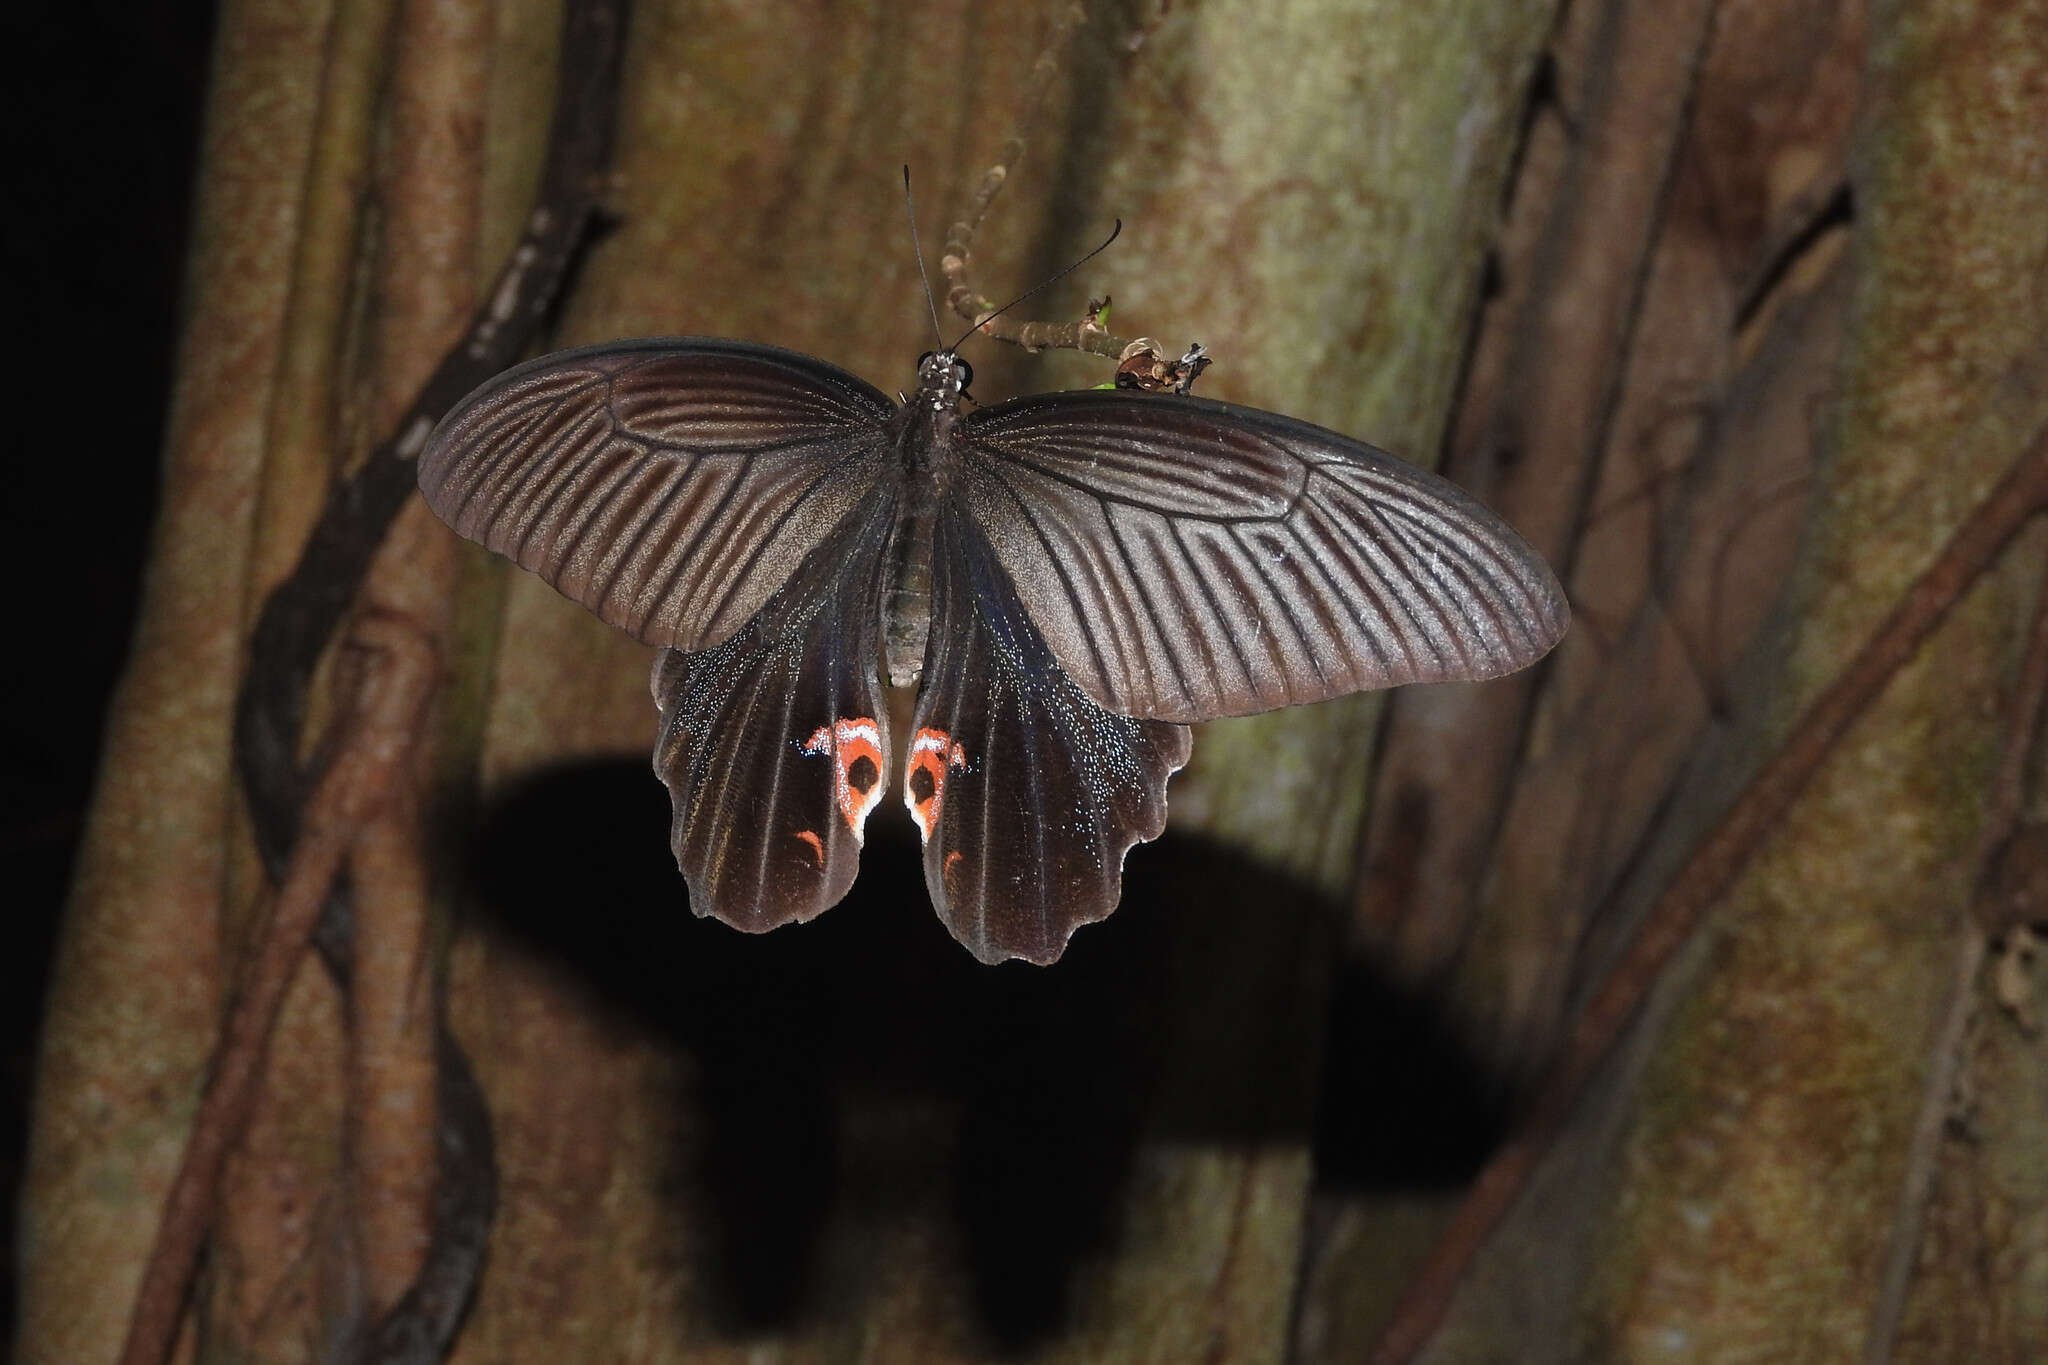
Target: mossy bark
point(1774, 1119)
point(1732, 1186)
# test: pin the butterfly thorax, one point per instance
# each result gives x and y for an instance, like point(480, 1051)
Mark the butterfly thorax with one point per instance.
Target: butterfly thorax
point(923, 433)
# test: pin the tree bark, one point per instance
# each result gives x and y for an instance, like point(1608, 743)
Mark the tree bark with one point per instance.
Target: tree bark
point(1742, 326)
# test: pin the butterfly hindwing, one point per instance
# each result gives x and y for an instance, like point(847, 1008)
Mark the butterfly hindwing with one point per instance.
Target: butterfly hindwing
point(774, 743)
point(1027, 793)
point(670, 484)
point(1186, 559)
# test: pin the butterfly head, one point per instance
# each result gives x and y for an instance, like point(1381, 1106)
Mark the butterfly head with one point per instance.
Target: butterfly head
point(942, 380)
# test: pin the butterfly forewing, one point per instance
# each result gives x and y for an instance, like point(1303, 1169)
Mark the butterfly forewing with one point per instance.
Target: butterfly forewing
point(670, 485)
point(774, 743)
point(1186, 560)
point(1028, 794)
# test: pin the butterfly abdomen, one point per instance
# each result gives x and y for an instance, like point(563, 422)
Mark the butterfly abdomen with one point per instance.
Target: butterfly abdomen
point(907, 594)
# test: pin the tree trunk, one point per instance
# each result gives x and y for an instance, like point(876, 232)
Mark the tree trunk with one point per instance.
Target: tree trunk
point(1758, 326)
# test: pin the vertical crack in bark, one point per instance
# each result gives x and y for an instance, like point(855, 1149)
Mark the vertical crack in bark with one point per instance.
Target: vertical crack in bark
point(1531, 447)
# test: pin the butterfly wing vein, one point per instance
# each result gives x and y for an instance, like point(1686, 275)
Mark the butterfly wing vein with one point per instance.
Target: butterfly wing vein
point(1187, 560)
point(1051, 790)
point(774, 743)
point(671, 486)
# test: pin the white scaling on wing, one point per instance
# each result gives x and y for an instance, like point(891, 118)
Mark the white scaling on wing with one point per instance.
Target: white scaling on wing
point(855, 745)
point(932, 755)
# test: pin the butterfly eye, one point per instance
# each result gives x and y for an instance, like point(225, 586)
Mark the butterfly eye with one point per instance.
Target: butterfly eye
point(965, 371)
point(925, 360)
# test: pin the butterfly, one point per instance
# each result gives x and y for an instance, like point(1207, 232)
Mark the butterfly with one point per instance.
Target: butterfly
point(1068, 580)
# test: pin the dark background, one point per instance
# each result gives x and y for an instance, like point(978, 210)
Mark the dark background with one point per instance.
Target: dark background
point(104, 135)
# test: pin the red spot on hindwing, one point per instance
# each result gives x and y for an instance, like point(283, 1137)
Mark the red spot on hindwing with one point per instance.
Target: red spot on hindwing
point(814, 843)
point(856, 749)
point(933, 754)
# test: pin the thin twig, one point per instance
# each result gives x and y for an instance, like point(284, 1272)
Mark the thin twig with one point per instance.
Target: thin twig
point(1707, 876)
point(2023, 729)
point(1917, 1185)
point(1937, 1095)
point(960, 237)
point(956, 258)
point(376, 741)
point(300, 616)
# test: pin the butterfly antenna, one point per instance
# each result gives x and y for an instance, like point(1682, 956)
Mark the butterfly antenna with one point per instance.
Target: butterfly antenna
point(1045, 284)
point(910, 209)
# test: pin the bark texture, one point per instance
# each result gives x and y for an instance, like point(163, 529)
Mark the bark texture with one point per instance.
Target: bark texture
point(1735, 307)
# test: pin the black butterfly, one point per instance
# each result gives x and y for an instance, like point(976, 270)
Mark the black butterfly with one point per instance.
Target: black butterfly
point(1068, 579)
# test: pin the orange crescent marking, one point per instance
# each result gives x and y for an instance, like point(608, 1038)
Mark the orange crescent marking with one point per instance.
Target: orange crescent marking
point(817, 845)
